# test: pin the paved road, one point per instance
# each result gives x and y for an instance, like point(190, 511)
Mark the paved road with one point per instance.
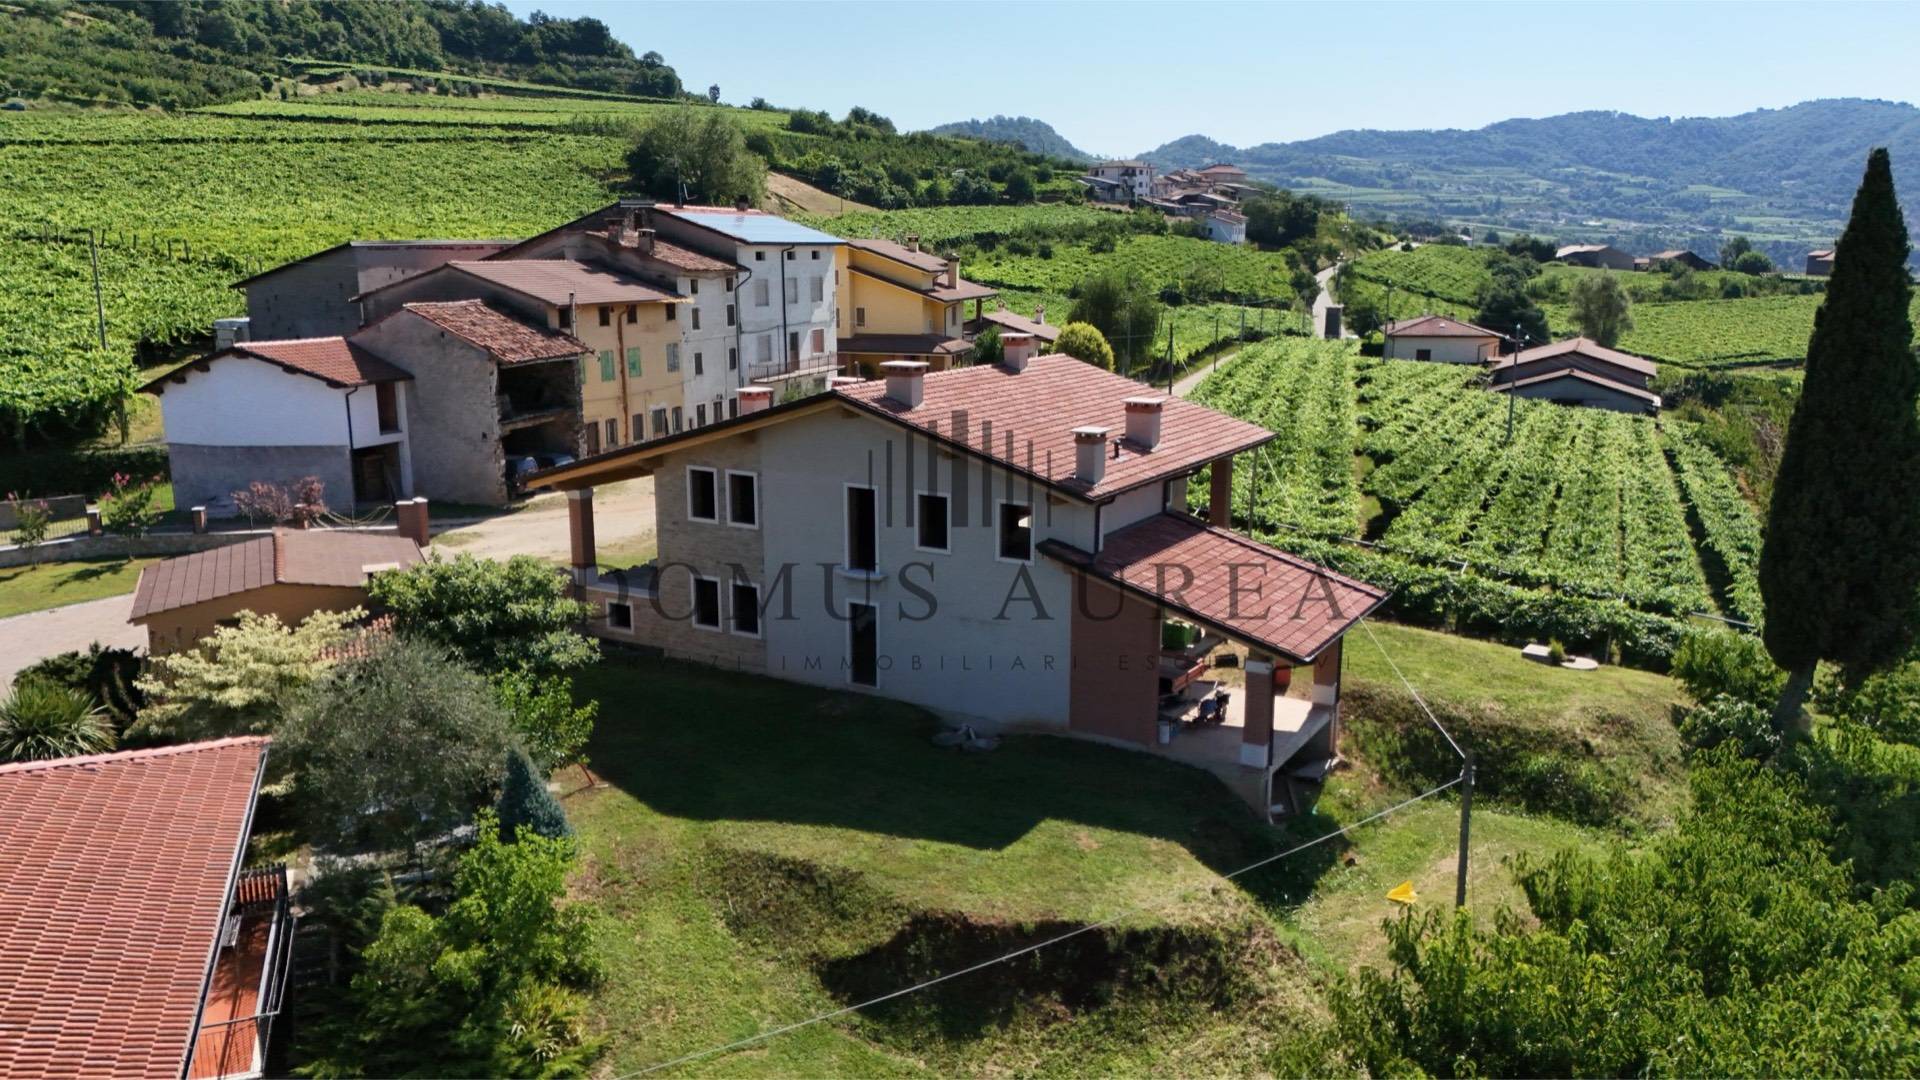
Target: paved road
point(37, 635)
point(1324, 301)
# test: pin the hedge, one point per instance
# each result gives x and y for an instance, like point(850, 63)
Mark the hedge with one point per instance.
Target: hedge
point(77, 472)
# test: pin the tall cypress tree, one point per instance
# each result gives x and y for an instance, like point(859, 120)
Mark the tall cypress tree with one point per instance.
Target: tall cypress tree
point(1841, 567)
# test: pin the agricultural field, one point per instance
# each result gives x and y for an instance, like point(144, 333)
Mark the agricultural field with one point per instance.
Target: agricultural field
point(389, 107)
point(1580, 501)
point(1160, 260)
point(947, 226)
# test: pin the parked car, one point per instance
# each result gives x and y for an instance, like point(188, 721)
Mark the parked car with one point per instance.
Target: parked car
point(518, 468)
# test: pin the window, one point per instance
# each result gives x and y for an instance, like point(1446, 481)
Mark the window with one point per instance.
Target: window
point(815, 254)
point(613, 434)
point(793, 344)
point(633, 360)
point(792, 289)
point(659, 422)
point(759, 256)
point(729, 282)
point(703, 497)
point(606, 315)
point(819, 343)
point(760, 294)
point(619, 615)
point(695, 312)
point(1016, 532)
point(699, 416)
point(606, 365)
point(387, 403)
point(953, 314)
point(593, 439)
point(673, 354)
point(817, 288)
point(673, 312)
point(716, 408)
point(863, 644)
point(789, 256)
point(746, 609)
point(859, 316)
point(863, 535)
point(743, 497)
point(1423, 354)
point(930, 522)
point(729, 314)
point(733, 359)
point(766, 348)
point(566, 318)
point(639, 426)
point(676, 419)
point(699, 366)
point(706, 603)
point(693, 286)
point(733, 408)
point(633, 313)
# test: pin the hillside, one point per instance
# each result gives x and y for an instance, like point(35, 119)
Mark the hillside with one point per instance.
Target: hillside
point(1036, 135)
point(1782, 176)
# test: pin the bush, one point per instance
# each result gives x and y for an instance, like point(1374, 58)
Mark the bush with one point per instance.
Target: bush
point(552, 728)
point(109, 676)
point(1728, 720)
point(1083, 341)
point(987, 348)
point(238, 679)
point(1713, 663)
point(519, 615)
point(41, 719)
point(525, 802)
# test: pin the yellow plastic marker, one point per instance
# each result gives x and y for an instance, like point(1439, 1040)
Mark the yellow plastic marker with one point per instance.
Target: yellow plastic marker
point(1403, 894)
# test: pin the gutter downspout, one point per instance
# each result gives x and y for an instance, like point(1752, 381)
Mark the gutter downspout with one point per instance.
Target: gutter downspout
point(226, 901)
point(784, 332)
point(353, 481)
point(740, 328)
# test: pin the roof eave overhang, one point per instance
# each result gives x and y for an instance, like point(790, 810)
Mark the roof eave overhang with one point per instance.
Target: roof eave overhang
point(226, 900)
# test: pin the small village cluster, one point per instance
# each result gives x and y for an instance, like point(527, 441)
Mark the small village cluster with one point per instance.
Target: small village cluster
point(1211, 195)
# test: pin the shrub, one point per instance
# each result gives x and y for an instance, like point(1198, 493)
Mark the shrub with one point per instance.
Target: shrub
point(41, 719)
point(519, 615)
point(552, 728)
point(1712, 663)
point(32, 520)
point(1730, 720)
point(1083, 341)
point(128, 509)
point(987, 348)
point(109, 676)
point(525, 801)
point(238, 679)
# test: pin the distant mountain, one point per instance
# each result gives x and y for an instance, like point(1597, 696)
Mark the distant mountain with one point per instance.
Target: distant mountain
point(1604, 173)
point(1036, 135)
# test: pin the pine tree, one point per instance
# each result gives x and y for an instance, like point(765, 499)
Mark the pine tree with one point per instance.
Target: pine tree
point(1840, 571)
point(525, 801)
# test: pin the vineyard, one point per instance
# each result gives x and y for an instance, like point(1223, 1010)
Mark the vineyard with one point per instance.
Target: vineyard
point(385, 107)
point(1580, 502)
point(1160, 260)
point(949, 226)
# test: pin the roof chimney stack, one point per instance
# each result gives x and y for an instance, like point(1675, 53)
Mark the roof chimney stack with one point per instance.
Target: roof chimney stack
point(952, 273)
point(741, 204)
point(906, 382)
point(643, 239)
point(1090, 454)
point(913, 241)
point(754, 399)
point(1016, 350)
point(1040, 314)
point(1143, 420)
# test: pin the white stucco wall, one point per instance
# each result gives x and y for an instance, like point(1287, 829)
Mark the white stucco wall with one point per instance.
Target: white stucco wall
point(1446, 350)
point(244, 402)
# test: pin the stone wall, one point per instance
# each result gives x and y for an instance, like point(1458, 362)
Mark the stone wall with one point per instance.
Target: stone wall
point(452, 417)
point(709, 549)
point(208, 475)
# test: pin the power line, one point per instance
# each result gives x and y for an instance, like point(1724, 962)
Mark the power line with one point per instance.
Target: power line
point(1416, 694)
point(1036, 947)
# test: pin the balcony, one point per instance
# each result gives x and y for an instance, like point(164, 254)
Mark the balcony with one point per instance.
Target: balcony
point(248, 988)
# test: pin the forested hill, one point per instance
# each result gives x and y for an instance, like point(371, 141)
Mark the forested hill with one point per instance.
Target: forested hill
point(186, 53)
point(1800, 163)
point(1036, 135)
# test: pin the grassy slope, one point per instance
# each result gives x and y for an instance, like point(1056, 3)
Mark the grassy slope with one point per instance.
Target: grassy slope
point(704, 767)
point(52, 585)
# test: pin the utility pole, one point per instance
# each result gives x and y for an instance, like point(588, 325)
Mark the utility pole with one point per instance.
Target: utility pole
point(1466, 818)
point(99, 305)
point(1510, 390)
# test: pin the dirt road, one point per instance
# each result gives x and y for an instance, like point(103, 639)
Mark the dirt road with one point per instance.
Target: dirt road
point(622, 520)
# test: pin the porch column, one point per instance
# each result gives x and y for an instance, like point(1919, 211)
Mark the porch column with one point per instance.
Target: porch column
point(1220, 498)
point(1326, 689)
point(1256, 739)
point(580, 530)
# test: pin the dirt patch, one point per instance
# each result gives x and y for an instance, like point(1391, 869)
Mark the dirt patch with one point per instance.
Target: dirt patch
point(787, 193)
point(622, 518)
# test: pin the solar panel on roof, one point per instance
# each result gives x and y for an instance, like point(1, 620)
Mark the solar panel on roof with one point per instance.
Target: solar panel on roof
point(756, 228)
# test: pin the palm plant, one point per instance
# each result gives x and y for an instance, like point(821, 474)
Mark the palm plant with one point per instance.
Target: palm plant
point(41, 719)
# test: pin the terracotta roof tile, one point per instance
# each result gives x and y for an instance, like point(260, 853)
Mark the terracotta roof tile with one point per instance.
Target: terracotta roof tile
point(1008, 320)
point(556, 281)
point(114, 879)
point(333, 360)
point(1593, 350)
point(1025, 421)
point(1258, 594)
point(1437, 326)
point(904, 345)
point(288, 557)
point(508, 339)
point(1629, 389)
point(900, 253)
point(668, 252)
point(965, 290)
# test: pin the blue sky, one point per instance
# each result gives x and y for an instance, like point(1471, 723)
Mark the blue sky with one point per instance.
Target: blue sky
point(1122, 77)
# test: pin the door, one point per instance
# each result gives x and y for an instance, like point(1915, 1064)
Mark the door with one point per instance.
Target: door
point(863, 632)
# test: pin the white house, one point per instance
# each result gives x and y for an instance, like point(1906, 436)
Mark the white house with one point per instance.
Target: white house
point(1227, 227)
point(1437, 338)
point(279, 411)
point(1119, 181)
point(999, 544)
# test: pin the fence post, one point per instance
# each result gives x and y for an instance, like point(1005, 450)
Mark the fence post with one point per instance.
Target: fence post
point(1466, 819)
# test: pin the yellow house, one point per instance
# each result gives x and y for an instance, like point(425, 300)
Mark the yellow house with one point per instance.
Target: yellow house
point(898, 302)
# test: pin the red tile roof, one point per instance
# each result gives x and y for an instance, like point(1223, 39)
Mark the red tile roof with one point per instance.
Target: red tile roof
point(1025, 421)
point(668, 252)
point(336, 557)
point(903, 345)
point(1008, 320)
point(1437, 326)
point(556, 281)
point(1257, 594)
point(510, 340)
point(1583, 346)
point(333, 360)
point(966, 290)
point(115, 871)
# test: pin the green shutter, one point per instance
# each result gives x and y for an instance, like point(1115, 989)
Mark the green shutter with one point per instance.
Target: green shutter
point(633, 360)
point(606, 365)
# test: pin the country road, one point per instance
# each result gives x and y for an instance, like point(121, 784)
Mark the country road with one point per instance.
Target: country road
point(1324, 301)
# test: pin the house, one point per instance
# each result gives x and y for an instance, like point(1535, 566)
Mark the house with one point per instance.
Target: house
point(1820, 263)
point(1119, 181)
point(313, 296)
point(1226, 227)
point(1579, 372)
point(1224, 174)
point(1678, 255)
point(898, 302)
point(1001, 544)
point(290, 573)
point(1603, 256)
point(1438, 338)
point(1011, 322)
point(137, 940)
point(282, 410)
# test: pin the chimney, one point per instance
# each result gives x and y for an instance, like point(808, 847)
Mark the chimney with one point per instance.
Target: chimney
point(1143, 420)
point(906, 381)
point(755, 399)
point(629, 223)
point(643, 239)
point(410, 515)
point(952, 273)
point(1040, 314)
point(913, 241)
point(1090, 454)
point(1016, 350)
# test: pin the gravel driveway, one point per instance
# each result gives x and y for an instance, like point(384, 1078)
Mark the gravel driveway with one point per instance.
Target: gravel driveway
point(25, 639)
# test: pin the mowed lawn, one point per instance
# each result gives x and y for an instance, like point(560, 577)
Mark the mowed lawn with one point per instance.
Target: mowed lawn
point(710, 778)
point(51, 585)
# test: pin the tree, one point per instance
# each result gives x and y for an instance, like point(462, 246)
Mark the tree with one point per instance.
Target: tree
point(1505, 307)
point(713, 93)
point(1123, 308)
point(1601, 308)
point(700, 152)
point(1084, 341)
point(128, 510)
point(987, 348)
point(1731, 251)
point(237, 680)
point(393, 749)
point(540, 707)
point(525, 801)
point(1752, 262)
point(1020, 185)
point(40, 719)
point(519, 615)
point(1839, 570)
point(487, 989)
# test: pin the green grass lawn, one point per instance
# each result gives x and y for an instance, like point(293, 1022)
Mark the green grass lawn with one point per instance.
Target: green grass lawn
point(51, 585)
point(764, 852)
